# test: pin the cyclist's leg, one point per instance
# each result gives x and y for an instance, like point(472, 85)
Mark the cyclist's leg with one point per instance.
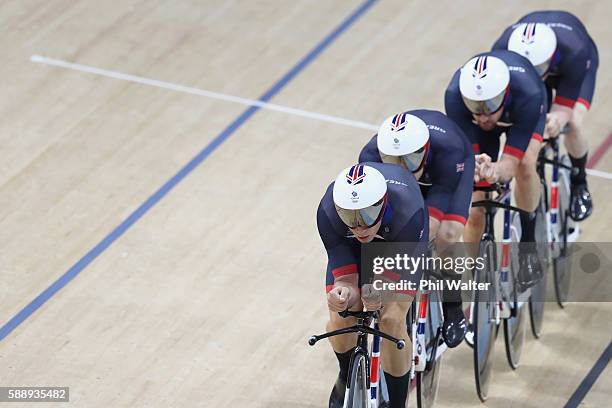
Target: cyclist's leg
point(528, 190)
point(454, 324)
point(528, 187)
point(396, 363)
point(476, 220)
point(450, 231)
point(449, 234)
point(527, 193)
point(576, 144)
point(345, 342)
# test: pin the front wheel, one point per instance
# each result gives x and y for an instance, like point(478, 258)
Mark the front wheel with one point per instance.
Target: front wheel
point(427, 381)
point(537, 300)
point(358, 387)
point(561, 267)
point(484, 320)
point(514, 326)
point(514, 336)
point(427, 386)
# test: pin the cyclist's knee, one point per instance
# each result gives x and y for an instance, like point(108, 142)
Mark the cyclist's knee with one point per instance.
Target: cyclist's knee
point(527, 166)
point(393, 318)
point(477, 217)
point(336, 321)
point(449, 232)
point(577, 118)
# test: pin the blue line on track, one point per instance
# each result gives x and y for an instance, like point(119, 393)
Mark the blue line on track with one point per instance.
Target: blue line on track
point(78, 267)
point(591, 377)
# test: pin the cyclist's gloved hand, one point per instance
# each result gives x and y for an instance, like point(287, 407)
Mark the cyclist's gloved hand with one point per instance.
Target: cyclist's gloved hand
point(338, 298)
point(371, 298)
point(553, 125)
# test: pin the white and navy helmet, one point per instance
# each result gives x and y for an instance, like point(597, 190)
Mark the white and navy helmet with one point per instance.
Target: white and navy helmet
point(535, 41)
point(403, 139)
point(483, 83)
point(360, 195)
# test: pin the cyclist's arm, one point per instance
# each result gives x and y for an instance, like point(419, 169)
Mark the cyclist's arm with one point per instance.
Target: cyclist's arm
point(502, 41)
point(342, 266)
point(530, 125)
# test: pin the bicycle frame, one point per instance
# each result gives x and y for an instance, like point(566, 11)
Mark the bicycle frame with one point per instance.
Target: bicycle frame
point(419, 352)
point(367, 323)
point(491, 205)
point(375, 368)
point(504, 311)
point(553, 219)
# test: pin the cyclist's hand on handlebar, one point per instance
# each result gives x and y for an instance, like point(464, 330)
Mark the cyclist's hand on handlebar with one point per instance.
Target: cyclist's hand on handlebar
point(482, 158)
point(553, 126)
point(371, 298)
point(486, 169)
point(479, 159)
point(338, 298)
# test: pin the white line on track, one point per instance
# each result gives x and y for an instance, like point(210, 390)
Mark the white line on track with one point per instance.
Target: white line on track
point(599, 173)
point(201, 92)
point(224, 97)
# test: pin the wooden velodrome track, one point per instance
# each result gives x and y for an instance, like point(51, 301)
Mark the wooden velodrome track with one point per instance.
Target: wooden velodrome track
point(203, 293)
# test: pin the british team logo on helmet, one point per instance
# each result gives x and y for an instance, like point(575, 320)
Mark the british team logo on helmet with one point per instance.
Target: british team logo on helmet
point(398, 123)
point(355, 175)
point(529, 33)
point(480, 68)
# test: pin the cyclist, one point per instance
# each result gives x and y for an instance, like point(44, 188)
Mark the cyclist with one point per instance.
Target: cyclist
point(493, 93)
point(563, 53)
point(435, 150)
point(369, 202)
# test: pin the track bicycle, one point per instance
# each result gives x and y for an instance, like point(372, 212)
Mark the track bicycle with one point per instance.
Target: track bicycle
point(504, 300)
point(562, 230)
point(424, 322)
point(365, 386)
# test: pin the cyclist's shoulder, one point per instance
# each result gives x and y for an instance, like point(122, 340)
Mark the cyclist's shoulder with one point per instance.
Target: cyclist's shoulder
point(556, 19)
point(453, 85)
point(447, 140)
point(524, 79)
point(327, 201)
point(516, 63)
point(570, 31)
point(430, 116)
point(394, 175)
